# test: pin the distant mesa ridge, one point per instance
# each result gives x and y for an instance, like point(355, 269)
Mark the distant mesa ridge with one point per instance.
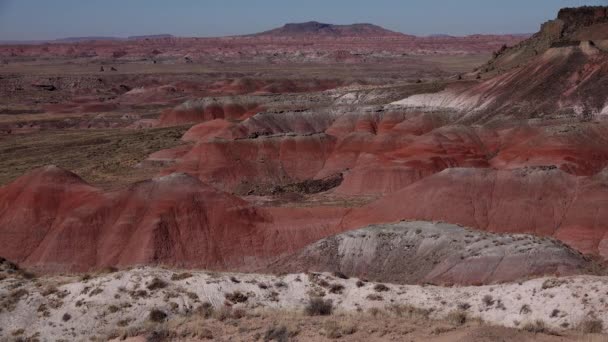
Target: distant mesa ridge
point(312, 28)
point(89, 38)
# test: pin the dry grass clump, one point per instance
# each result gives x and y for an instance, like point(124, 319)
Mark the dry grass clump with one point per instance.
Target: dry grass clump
point(409, 311)
point(227, 312)
point(319, 307)
point(591, 326)
point(457, 317)
point(537, 327)
point(181, 276)
point(205, 310)
point(280, 334)
point(333, 329)
point(157, 284)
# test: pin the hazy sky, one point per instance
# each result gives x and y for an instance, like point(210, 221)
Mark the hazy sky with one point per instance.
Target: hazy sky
point(49, 19)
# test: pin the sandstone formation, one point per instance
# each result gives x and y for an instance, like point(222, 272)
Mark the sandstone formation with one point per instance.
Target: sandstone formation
point(52, 220)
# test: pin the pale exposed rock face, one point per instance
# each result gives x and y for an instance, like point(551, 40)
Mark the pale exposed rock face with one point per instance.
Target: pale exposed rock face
point(440, 253)
point(543, 201)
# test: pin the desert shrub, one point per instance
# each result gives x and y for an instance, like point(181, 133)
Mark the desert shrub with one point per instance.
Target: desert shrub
point(464, 306)
point(262, 286)
point(319, 307)
point(551, 283)
point(525, 309)
point(181, 276)
point(340, 275)
point(537, 327)
point(279, 334)
point(487, 300)
point(234, 280)
point(374, 311)
point(49, 290)
point(236, 297)
point(336, 288)
point(591, 326)
point(205, 310)
point(359, 283)
point(139, 294)
point(18, 332)
point(555, 313)
point(373, 296)
point(280, 284)
point(157, 284)
point(10, 302)
point(66, 317)
point(113, 309)
point(205, 333)
point(381, 288)
point(457, 317)
point(157, 315)
point(331, 329)
point(224, 313)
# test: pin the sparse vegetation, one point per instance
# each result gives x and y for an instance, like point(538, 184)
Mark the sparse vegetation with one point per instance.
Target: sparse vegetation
point(334, 330)
point(591, 326)
point(279, 333)
point(340, 275)
point(205, 310)
point(236, 297)
point(375, 297)
point(224, 313)
point(66, 317)
point(487, 300)
point(551, 283)
point(336, 288)
point(410, 311)
point(457, 317)
point(157, 316)
point(180, 276)
point(381, 288)
point(12, 299)
point(156, 284)
point(537, 327)
point(319, 307)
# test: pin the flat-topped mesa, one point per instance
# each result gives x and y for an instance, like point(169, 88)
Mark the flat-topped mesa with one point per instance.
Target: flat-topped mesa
point(579, 17)
point(314, 28)
point(572, 26)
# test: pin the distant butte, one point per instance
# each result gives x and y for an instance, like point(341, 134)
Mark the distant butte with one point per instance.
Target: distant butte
point(315, 28)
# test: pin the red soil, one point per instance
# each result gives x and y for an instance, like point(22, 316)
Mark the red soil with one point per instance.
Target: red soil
point(53, 220)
